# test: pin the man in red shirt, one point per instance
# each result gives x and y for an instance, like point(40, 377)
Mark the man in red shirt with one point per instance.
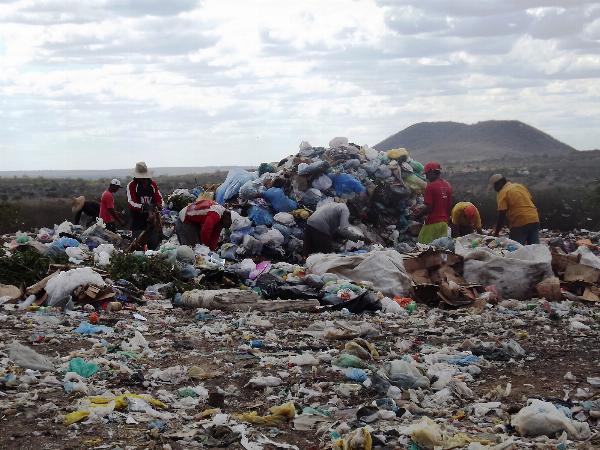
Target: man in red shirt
point(108, 213)
point(438, 200)
point(202, 222)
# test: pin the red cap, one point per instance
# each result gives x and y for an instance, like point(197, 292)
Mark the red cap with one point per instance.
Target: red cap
point(431, 165)
point(470, 212)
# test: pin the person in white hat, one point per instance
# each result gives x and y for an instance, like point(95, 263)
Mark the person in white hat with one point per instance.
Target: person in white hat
point(79, 206)
point(144, 197)
point(108, 213)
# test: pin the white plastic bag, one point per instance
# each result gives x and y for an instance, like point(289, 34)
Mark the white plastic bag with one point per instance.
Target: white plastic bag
point(514, 275)
point(543, 418)
point(63, 284)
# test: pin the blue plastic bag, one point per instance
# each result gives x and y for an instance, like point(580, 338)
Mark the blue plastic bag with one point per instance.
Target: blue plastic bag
point(232, 184)
point(278, 200)
point(346, 184)
point(260, 216)
point(88, 328)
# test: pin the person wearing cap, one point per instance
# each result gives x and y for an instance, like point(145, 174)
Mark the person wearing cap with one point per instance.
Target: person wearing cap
point(516, 204)
point(144, 198)
point(108, 213)
point(80, 205)
point(465, 219)
point(201, 222)
point(438, 200)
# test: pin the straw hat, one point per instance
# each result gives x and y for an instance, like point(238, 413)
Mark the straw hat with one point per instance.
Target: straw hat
point(493, 180)
point(141, 170)
point(77, 203)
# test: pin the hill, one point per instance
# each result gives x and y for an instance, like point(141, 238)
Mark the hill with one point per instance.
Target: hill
point(492, 139)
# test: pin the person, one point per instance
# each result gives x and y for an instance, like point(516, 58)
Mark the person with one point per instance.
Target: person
point(323, 225)
point(465, 219)
point(80, 205)
point(201, 222)
point(438, 199)
point(108, 213)
point(144, 199)
point(515, 204)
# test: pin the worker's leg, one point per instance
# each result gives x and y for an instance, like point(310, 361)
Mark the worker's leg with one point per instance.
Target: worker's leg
point(111, 227)
point(463, 230)
point(432, 232)
point(518, 234)
point(187, 233)
point(533, 233)
point(316, 241)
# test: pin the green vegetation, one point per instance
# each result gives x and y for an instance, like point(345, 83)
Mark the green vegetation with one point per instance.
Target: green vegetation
point(145, 271)
point(26, 267)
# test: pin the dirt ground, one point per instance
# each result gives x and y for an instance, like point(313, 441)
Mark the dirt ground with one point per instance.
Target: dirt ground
point(32, 410)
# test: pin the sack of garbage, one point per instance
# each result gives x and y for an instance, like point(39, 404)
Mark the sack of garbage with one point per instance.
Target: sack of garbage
point(383, 269)
point(543, 418)
point(278, 200)
point(515, 274)
point(236, 178)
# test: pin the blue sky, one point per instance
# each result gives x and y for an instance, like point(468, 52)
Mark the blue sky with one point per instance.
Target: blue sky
point(104, 83)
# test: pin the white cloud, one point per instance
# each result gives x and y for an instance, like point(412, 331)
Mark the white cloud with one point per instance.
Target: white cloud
point(185, 82)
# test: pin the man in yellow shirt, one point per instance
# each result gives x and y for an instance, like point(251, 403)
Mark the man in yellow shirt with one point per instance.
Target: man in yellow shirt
point(465, 219)
point(516, 205)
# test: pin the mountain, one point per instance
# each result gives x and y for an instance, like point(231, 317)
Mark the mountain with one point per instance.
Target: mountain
point(492, 139)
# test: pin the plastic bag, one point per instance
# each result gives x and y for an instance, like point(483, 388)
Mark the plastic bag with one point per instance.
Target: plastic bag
point(338, 142)
point(232, 184)
point(284, 218)
point(346, 184)
point(272, 237)
point(251, 189)
point(260, 216)
point(278, 200)
point(63, 284)
point(322, 183)
point(543, 418)
point(28, 358)
point(311, 197)
point(82, 368)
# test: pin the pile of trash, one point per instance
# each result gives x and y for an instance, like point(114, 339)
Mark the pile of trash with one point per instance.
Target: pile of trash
point(382, 189)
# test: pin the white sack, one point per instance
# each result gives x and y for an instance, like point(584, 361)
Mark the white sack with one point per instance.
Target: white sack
point(382, 268)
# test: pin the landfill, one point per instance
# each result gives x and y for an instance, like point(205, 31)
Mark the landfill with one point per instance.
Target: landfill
point(468, 343)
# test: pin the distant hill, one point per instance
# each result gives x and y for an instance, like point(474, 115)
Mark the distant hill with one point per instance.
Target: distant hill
point(113, 173)
point(492, 139)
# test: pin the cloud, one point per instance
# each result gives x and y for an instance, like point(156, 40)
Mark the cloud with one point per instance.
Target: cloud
point(210, 82)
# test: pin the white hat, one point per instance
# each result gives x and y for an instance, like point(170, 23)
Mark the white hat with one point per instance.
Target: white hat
point(115, 182)
point(494, 179)
point(141, 170)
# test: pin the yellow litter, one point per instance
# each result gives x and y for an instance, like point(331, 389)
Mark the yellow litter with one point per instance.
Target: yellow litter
point(279, 414)
point(120, 402)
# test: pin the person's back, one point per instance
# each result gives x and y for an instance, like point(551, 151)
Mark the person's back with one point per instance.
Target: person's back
point(330, 218)
point(438, 194)
point(516, 200)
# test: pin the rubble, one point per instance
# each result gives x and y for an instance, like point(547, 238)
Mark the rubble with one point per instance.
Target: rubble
point(474, 343)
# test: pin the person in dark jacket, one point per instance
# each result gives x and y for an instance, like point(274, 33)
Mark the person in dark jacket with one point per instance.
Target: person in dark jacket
point(144, 201)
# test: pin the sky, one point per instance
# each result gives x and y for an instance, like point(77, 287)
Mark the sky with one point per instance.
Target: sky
point(100, 84)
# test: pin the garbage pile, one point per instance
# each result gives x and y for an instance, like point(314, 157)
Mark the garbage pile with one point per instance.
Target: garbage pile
point(382, 189)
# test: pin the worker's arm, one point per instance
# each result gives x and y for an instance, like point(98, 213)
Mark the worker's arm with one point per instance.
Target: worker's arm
point(115, 215)
point(500, 222)
point(157, 196)
point(131, 198)
point(210, 230)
